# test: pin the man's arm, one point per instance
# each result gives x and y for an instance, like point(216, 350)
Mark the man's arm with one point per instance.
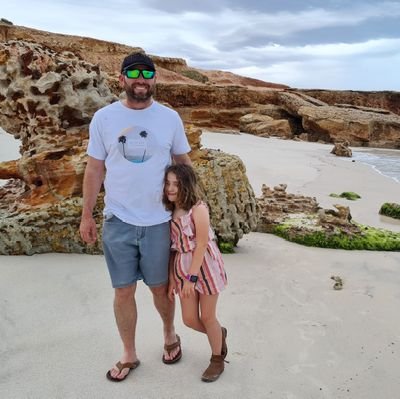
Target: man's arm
point(92, 181)
point(182, 158)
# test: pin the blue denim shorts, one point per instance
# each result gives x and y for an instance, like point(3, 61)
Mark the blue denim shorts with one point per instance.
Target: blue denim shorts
point(135, 253)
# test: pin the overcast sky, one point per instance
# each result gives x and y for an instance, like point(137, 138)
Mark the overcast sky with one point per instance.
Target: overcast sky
point(331, 44)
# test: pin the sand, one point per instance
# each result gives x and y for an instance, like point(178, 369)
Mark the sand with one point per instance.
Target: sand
point(290, 335)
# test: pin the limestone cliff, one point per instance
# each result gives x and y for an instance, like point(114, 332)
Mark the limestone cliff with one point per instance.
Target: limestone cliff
point(218, 99)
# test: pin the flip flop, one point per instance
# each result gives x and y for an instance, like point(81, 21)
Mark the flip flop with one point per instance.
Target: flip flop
point(120, 366)
point(170, 348)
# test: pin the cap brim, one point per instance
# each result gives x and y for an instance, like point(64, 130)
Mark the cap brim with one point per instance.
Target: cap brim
point(139, 63)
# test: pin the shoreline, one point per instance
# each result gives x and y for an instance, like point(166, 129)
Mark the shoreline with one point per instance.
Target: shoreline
point(310, 169)
point(377, 151)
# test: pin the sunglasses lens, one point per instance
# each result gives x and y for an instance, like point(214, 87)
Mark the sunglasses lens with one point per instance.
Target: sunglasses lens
point(132, 73)
point(147, 74)
point(135, 73)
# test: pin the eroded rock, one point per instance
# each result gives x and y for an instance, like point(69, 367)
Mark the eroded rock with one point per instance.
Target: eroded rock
point(342, 149)
point(360, 127)
point(47, 100)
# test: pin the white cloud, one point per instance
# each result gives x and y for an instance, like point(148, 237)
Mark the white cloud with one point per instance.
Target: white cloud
point(225, 39)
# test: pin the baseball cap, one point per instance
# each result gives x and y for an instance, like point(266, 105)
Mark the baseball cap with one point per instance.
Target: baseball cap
point(137, 59)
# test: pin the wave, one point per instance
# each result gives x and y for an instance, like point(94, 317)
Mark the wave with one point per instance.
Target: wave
point(386, 162)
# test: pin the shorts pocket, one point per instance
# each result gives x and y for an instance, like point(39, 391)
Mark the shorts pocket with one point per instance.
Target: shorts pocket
point(109, 217)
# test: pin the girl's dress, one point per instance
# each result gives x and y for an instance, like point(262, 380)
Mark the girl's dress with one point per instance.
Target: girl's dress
point(212, 277)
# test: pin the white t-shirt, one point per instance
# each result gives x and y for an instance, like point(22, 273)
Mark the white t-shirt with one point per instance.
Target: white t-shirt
point(136, 146)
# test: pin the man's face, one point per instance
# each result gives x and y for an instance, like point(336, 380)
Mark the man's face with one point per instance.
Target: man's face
point(138, 89)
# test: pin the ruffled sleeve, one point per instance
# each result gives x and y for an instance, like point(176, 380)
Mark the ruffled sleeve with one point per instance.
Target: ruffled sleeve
point(187, 224)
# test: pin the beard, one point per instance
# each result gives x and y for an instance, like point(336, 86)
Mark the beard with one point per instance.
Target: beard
point(138, 97)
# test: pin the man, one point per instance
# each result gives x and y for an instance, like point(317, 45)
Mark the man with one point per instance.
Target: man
point(131, 143)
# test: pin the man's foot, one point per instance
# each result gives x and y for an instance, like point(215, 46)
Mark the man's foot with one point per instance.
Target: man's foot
point(174, 352)
point(121, 370)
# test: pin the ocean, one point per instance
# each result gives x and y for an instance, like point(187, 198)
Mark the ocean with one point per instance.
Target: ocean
point(384, 161)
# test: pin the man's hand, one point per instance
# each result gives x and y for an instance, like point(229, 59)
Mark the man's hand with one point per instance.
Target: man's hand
point(88, 229)
point(171, 289)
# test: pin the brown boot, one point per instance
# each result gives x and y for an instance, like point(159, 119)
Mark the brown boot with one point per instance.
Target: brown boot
point(214, 370)
point(224, 349)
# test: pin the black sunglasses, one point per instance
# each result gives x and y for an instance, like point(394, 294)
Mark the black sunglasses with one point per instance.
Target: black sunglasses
point(135, 73)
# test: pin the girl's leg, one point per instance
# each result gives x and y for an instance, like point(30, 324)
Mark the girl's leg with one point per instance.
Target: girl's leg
point(190, 313)
point(208, 307)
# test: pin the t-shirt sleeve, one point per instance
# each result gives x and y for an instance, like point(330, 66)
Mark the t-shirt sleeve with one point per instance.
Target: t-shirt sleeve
point(96, 147)
point(180, 144)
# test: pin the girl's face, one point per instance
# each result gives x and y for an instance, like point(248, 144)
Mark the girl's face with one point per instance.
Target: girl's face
point(171, 187)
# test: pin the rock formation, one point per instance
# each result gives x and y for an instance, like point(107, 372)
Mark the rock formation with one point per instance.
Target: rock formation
point(278, 207)
point(381, 100)
point(276, 204)
point(265, 126)
point(300, 219)
point(297, 115)
point(341, 149)
point(217, 99)
point(359, 126)
point(47, 100)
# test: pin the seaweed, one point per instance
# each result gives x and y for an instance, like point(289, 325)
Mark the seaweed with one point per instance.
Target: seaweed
point(369, 238)
point(350, 195)
point(390, 209)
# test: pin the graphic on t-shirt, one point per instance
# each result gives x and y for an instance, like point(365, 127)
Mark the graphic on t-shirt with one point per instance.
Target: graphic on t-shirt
point(136, 144)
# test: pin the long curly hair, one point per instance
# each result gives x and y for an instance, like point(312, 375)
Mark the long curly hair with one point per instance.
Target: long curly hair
point(189, 189)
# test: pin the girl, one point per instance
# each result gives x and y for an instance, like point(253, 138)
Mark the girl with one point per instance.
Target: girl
point(196, 267)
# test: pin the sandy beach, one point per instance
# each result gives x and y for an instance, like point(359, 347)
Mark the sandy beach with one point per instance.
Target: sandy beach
point(290, 335)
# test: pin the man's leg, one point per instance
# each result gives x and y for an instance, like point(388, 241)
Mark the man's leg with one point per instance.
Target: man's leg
point(166, 309)
point(154, 258)
point(122, 257)
point(126, 316)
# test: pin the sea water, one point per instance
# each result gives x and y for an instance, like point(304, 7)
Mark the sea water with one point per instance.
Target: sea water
point(384, 161)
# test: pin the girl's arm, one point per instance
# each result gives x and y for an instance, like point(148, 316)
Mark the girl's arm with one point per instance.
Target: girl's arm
point(201, 220)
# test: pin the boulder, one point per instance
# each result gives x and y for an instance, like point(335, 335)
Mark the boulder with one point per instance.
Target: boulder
point(265, 126)
point(342, 149)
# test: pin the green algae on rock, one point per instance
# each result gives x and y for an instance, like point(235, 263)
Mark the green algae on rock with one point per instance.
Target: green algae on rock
point(299, 219)
point(390, 209)
point(350, 195)
point(368, 238)
point(226, 247)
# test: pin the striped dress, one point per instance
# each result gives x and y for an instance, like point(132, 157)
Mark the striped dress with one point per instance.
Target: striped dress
point(212, 277)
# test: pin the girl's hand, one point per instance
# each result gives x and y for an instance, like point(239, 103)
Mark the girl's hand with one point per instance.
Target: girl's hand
point(188, 289)
point(171, 289)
